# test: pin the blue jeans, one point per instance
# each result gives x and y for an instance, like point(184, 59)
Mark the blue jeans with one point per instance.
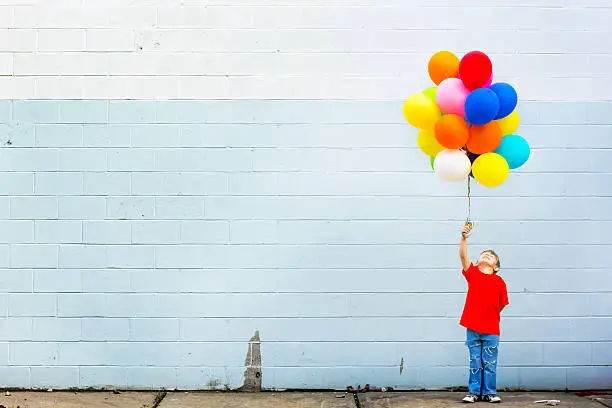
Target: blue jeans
point(483, 362)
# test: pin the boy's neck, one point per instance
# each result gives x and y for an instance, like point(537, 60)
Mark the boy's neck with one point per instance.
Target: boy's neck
point(486, 269)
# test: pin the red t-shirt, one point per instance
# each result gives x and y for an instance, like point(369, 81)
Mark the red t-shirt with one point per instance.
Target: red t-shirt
point(486, 295)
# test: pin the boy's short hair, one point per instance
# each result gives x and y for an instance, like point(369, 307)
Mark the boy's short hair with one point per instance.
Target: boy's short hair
point(492, 252)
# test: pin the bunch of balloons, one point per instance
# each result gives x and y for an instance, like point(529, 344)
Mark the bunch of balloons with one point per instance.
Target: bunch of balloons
point(467, 123)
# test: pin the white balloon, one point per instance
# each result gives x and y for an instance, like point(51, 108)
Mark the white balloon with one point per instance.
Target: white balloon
point(452, 165)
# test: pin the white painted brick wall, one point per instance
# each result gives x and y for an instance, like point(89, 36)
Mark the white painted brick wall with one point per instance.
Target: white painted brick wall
point(182, 227)
point(143, 241)
point(353, 49)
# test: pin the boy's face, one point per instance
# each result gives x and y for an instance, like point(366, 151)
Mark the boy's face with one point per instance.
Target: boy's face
point(487, 258)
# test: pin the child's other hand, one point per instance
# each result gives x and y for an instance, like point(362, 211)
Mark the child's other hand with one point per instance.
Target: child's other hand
point(465, 231)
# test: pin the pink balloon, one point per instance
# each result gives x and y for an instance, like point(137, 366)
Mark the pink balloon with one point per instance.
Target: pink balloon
point(451, 96)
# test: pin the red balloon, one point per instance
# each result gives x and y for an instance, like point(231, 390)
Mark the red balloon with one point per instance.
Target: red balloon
point(475, 69)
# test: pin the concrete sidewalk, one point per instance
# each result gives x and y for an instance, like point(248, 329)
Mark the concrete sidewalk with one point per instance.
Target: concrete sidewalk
point(282, 400)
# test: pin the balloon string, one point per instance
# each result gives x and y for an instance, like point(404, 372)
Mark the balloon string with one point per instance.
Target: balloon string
point(469, 216)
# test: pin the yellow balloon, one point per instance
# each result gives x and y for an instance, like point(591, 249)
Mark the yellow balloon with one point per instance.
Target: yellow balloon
point(428, 143)
point(421, 111)
point(509, 124)
point(490, 169)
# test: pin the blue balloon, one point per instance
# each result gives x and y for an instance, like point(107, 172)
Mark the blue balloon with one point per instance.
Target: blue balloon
point(514, 149)
point(507, 98)
point(481, 106)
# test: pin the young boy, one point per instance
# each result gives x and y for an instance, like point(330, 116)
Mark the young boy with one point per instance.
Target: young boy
point(486, 298)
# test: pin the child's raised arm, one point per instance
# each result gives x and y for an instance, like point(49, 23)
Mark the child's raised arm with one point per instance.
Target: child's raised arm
point(463, 254)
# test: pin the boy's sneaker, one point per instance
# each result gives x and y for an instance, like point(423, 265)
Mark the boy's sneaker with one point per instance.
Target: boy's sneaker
point(492, 398)
point(470, 398)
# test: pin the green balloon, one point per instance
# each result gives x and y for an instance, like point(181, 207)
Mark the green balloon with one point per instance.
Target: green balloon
point(431, 93)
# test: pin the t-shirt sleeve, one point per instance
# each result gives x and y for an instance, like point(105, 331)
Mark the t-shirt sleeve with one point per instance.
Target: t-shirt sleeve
point(468, 272)
point(503, 295)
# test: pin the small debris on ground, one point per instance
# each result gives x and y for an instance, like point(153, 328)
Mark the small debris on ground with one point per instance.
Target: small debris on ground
point(549, 402)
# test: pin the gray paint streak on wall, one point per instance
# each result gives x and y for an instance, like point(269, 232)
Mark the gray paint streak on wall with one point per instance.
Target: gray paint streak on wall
point(253, 372)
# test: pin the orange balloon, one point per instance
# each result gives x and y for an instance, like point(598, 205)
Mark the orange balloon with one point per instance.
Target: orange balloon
point(485, 138)
point(442, 65)
point(451, 131)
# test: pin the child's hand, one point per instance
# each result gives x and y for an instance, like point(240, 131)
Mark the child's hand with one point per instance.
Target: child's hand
point(467, 228)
